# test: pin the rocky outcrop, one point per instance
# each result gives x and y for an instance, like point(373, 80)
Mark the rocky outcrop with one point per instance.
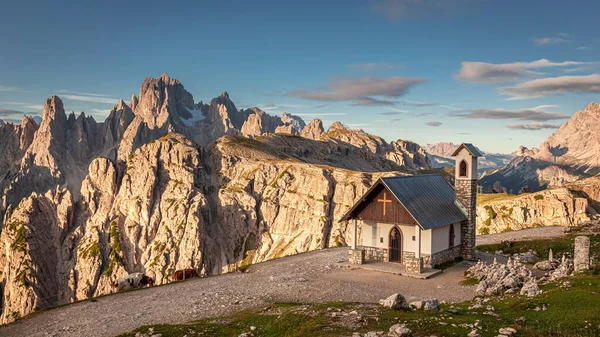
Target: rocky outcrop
point(313, 130)
point(15, 140)
point(36, 247)
point(402, 152)
point(555, 207)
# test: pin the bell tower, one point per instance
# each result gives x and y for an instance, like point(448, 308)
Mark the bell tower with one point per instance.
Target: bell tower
point(466, 193)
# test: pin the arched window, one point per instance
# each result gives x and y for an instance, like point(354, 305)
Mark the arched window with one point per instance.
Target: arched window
point(451, 237)
point(462, 169)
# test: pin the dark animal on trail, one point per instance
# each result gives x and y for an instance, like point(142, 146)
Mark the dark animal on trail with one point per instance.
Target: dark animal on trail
point(132, 281)
point(185, 274)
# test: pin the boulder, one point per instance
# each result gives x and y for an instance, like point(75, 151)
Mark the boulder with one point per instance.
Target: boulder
point(399, 330)
point(395, 302)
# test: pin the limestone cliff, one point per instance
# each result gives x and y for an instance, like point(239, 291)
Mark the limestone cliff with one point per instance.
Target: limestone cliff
point(553, 207)
point(166, 184)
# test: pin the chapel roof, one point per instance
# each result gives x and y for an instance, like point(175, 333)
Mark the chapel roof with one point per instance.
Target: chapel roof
point(470, 147)
point(429, 199)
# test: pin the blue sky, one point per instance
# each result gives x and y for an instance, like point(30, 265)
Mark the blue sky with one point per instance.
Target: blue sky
point(392, 67)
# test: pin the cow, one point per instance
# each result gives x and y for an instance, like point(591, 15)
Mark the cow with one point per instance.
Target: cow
point(184, 274)
point(132, 281)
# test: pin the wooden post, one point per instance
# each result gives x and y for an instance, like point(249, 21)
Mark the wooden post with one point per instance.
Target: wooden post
point(354, 233)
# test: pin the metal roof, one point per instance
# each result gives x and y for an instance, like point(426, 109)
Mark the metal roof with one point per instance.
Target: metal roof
point(470, 147)
point(429, 198)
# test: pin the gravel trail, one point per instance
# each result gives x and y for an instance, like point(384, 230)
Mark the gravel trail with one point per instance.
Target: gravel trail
point(310, 277)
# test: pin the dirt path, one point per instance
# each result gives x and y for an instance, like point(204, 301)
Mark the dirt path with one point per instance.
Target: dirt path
point(310, 277)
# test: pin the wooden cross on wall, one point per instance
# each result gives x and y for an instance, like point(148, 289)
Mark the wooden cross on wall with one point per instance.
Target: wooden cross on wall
point(385, 200)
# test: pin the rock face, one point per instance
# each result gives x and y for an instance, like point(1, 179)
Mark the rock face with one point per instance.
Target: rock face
point(570, 153)
point(167, 184)
point(405, 153)
point(313, 130)
point(556, 207)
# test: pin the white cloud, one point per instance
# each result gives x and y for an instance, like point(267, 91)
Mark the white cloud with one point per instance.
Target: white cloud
point(7, 88)
point(321, 114)
point(353, 89)
point(372, 66)
point(95, 99)
point(538, 113)
point(559, 38)
point(491, 73)
point(403, 9)
point(553, 86)
point(584, 48)
point(533, 126)
point(62, 91)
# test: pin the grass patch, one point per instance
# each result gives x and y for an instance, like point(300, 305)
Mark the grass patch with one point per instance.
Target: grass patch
point(471, 281)
point(559, 246)
point(539, 197)
point(485, 198)
point(571, 312)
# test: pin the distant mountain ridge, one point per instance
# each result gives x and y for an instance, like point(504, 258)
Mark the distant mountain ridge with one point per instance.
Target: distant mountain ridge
point(571, 153)
point(440, 156)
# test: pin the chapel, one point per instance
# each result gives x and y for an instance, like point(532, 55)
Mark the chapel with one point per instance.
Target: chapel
point(419, 221)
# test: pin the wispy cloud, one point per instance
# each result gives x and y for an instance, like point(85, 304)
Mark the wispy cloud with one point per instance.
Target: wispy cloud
point(9, 112)
point(426, 104)
point(490, 73)
point(558, 38)
point(7, 88)
point(553, 86)
point(94, 99)
point(363, 88)
point(368, 101)
point(321, 114)
point(434, 123)
point(533, 126)
point(402, 9)
point(62, 91)
point(538, 114)
point(584, 48)
point(372, 66)
point(321, 106)
point(463, 133)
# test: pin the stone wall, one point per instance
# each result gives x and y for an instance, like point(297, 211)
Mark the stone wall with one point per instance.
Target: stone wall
point(356, 256)
point(411, 263)
point(466, 193)
point(373, 254)
point(430, 261)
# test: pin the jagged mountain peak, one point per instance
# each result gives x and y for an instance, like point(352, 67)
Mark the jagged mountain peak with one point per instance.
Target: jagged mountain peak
point(593, 107)
point(337, 126)
point(54, 109)
point(134, 102)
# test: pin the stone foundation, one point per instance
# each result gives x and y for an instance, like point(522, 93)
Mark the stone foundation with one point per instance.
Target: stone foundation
point(372, 254)
point(430, 261)
point(356, 256)
point(411, 263)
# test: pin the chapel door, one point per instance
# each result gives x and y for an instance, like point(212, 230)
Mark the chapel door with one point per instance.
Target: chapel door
point(395, 245)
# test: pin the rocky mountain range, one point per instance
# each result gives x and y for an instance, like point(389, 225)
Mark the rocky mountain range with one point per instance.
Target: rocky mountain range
point(165, 183)
point(571, 153)
point(440, 155)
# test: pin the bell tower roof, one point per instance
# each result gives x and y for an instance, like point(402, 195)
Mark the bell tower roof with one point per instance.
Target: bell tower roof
point(469, 147)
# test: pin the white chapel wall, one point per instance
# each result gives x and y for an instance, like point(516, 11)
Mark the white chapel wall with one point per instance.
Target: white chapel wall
point(440, 237)
point(373, 233)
